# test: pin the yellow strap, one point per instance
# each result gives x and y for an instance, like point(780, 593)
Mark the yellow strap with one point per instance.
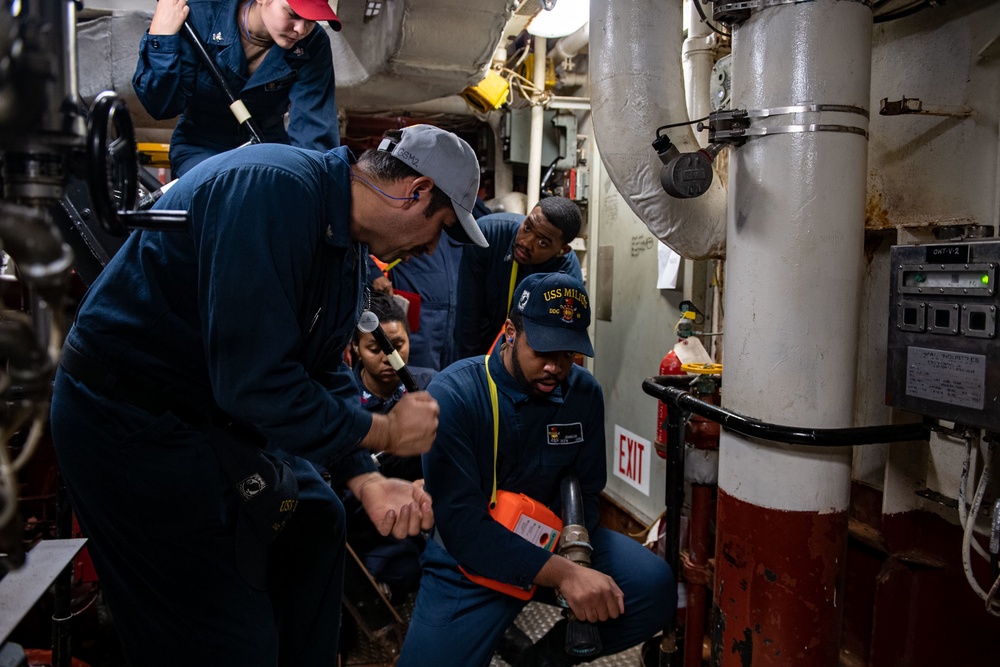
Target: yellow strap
point(513, 277)
point(496, 427)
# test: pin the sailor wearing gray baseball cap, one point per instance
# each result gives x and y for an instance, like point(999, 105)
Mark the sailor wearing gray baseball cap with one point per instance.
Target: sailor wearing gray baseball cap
point(447, 159)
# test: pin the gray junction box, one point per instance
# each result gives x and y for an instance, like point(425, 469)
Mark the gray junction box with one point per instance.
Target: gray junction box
point(943, 357)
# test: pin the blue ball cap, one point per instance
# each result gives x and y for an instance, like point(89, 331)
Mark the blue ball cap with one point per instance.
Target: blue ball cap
point(555, 309)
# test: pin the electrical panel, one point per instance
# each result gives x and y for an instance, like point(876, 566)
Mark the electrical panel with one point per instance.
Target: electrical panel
point(943, 350)
point(558, 138)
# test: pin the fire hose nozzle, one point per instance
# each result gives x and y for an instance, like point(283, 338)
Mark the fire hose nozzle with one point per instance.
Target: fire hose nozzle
point(574, 544)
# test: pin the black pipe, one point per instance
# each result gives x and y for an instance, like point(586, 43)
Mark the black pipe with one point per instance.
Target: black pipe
point(674, 491)
point(792, 435)
point(671, 652)
point(213, 69)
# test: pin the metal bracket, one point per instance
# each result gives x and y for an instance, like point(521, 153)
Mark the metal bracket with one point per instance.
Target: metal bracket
point(812, 127)
point(737, 12)
point(733, 126)
point(913, 105)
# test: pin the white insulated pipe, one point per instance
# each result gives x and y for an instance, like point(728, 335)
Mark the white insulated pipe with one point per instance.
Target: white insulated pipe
point(537, 127)
point(795, 245)
point(636, 85)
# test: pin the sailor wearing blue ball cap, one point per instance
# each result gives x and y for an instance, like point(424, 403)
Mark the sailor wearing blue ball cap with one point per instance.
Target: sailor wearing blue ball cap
point(520, 420)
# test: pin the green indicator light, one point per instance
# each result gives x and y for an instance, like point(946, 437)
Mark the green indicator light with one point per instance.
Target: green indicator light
point(985, 279)
point(919, 278)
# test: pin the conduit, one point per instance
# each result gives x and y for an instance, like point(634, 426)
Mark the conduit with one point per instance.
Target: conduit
point(537, 125)
point(698, 57)
point(570, 45)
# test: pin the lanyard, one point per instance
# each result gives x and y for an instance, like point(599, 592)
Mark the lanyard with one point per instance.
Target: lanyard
point(496, 427)
point(510, 291)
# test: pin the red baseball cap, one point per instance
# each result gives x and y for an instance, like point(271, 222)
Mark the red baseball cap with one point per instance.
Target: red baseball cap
point(315, 10)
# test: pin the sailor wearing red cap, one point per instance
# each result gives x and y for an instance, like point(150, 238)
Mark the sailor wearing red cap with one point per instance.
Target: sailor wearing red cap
point(272, 53)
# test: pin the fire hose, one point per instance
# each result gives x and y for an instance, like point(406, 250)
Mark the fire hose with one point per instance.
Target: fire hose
point(582, 638)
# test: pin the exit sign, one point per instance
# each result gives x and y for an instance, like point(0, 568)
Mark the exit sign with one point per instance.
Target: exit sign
point(631, 459)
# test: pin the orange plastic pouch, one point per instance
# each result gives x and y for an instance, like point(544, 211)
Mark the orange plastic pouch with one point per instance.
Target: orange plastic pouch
point(528, 518)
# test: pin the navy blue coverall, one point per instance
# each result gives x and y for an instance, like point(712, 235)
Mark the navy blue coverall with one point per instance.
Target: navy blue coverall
point(458, 623)
point(170, 80)
point(247, 314)
point(435, 278)
point(390, 560)
point(484, 283)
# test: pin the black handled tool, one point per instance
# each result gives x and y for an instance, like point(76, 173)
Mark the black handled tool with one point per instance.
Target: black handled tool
point(369, 324)
point(235, 105)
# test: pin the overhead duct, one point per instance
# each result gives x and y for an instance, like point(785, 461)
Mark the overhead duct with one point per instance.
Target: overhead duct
point(108, 48)
point(637, 85)
point(414, 50)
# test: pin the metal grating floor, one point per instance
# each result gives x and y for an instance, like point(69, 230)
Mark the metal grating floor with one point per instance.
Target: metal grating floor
point(535, 620)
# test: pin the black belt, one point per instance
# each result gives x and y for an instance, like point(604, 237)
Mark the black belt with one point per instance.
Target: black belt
point(131, 387)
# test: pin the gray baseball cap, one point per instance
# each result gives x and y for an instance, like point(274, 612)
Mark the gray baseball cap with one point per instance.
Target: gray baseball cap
point(447, 159)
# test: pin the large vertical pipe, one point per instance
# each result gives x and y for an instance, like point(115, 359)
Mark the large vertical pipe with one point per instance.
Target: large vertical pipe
point(795, 243)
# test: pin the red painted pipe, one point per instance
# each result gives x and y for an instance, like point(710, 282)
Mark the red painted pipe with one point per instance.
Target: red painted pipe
point(779, 594)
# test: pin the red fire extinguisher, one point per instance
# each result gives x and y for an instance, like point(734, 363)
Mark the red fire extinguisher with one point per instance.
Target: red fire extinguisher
point(670, 365)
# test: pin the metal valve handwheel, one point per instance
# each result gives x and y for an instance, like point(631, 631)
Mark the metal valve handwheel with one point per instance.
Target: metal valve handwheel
point(113, 172)
point(112, 162)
